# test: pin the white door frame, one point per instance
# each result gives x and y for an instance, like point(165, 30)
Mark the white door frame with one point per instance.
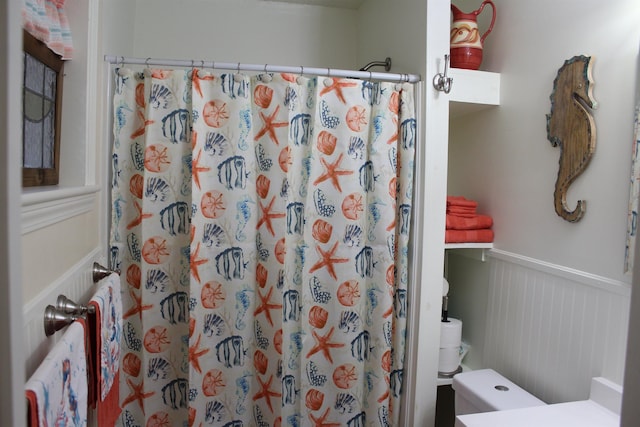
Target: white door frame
point(428, 249)
point(12, 373)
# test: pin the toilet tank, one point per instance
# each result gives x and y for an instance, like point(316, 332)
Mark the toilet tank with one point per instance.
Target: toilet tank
point(486, 390)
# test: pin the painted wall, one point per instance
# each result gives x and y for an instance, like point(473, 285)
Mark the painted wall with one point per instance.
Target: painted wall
point(505, 149)
point(74, 98)
point(51, 251)
point(248, 31)
point(84, 134)
point(551, 283)
point(118, 25)
point(54, 249)
point(396, 30)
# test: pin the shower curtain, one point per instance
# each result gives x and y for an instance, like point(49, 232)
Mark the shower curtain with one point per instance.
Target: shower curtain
point(261, 225)
point(634, 194)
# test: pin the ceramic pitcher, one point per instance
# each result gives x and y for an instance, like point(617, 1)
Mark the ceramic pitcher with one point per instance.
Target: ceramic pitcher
point(466, 42)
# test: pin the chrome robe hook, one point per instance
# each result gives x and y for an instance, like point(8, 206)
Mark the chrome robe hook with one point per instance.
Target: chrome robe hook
point(441, 81)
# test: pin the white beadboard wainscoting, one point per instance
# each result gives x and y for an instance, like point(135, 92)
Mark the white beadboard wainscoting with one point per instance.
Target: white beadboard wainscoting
point(548, 328)
point(76, 284)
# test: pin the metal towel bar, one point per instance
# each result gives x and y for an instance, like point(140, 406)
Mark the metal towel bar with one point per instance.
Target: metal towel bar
point(63, 313)
point(65, 305)
point(100, 272)
point(66, 311)
point(56, 319)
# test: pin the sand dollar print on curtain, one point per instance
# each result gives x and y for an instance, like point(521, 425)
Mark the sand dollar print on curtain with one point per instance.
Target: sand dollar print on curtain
point(294, 263)
point(150, 239)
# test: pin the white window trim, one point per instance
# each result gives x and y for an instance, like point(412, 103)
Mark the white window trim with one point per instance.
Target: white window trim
point(44, 207)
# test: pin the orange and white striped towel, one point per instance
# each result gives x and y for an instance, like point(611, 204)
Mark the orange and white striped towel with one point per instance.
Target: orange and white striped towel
point(47, 21)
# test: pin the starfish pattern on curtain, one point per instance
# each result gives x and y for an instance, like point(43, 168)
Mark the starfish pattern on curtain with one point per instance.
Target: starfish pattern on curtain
point(262, 225)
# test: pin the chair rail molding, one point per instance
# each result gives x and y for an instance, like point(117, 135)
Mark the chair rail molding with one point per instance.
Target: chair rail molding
point(43, 208)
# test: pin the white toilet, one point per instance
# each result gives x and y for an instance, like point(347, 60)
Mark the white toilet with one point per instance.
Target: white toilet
point(486, 390)
point(482, 400)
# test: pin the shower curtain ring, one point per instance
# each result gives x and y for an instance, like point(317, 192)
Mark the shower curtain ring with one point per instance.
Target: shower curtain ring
point(266, 77)
point(122, 61)
point(237, 77)
point(146, 61)
point(299, 78)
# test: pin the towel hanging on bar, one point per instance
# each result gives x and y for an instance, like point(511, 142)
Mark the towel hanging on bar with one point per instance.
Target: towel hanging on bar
point(57, 392)
point(105, 328)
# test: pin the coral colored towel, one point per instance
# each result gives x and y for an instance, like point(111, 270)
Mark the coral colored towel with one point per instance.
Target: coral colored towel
point(484, 235)
point(454, 222)
point(461, 201)
point(461, 211)
point(106, 327)
point(459, 206)
point(57, 391)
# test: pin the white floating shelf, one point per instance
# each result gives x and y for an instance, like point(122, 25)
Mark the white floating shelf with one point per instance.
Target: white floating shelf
point(477, 251)
point(468, 245)
point(473, 90)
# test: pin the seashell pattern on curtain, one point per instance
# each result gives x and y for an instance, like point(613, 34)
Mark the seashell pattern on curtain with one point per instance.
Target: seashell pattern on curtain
point(262, 225)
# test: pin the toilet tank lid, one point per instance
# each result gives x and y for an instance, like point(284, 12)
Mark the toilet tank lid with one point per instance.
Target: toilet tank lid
point(490, 391)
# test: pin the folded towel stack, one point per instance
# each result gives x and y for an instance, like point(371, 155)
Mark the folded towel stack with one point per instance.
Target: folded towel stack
point(464, 224)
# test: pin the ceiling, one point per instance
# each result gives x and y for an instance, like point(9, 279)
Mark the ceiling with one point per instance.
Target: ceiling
point(344, 4)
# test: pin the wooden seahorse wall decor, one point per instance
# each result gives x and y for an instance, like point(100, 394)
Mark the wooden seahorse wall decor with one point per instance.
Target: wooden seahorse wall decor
point(571, 127)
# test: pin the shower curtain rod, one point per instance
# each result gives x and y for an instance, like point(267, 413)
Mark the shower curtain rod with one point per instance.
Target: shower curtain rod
point(267, 68)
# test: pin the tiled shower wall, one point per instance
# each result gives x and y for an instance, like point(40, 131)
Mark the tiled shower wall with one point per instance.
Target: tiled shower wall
point(547, 328)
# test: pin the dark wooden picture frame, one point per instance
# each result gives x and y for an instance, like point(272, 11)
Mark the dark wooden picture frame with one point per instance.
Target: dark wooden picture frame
point(37, 176)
